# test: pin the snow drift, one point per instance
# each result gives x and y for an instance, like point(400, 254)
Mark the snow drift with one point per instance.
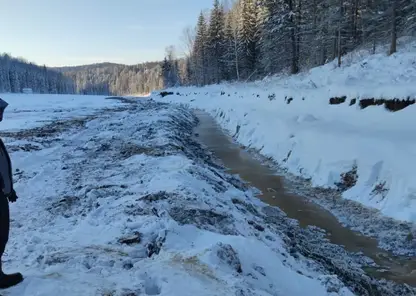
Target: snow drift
point(291, 120)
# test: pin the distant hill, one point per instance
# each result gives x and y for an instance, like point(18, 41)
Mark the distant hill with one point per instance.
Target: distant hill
point(17, 74)
point(83, 67)
point(115, 79)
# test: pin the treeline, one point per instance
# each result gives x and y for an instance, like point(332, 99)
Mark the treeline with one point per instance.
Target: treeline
point(115, 79)
point(247, 40)
point(98, 79)
point(255, 38)
point(16, 74)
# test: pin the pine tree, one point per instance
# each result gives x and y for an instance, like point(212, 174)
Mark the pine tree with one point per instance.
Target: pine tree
point(166, 69)
point(14, 79)
point(269, 39)
point(248, 37)
point(231, 52)
point(216, 44)
point(199, 53)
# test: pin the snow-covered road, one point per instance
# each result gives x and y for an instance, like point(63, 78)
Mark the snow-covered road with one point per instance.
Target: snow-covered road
point(126, 202)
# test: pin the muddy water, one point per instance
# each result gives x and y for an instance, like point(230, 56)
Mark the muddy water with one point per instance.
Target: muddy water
point(240, 162)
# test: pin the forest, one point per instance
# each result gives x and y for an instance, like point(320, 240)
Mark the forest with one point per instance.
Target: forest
point(115, 79)
point(16, 74)
point(251, 39)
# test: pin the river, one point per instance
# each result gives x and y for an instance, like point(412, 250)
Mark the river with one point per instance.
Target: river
point(273, 192)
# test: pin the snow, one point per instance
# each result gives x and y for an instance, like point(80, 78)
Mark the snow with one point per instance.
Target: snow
point(28, 111)
point(316, 140)
point(123, 175)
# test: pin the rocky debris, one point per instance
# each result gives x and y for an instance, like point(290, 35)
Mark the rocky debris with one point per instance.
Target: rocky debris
point(204, 219)
point(122, 99)
point(244, 206)
point(228, 256)
point(130, 149)
point(65, 206)
point(24, 147)
point(244, 292)
point(128, 292)
point(49, 130)
point(390, 104)
point(136, 210)
point(133, 239)
point(255, 225)
point(165, 93)
point(161, 195)
point(311, 244)
point(337, 100)
point(348, 179)
point(217, 184)
point(155, 245)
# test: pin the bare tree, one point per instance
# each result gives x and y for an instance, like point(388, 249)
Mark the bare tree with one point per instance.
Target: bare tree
point(188, 40)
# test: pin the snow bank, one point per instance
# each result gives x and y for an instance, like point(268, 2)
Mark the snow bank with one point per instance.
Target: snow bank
point(290, 119)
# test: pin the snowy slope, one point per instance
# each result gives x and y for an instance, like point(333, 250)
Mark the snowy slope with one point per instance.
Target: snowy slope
point(312, 138)
point(125, 203)
point(28, 111)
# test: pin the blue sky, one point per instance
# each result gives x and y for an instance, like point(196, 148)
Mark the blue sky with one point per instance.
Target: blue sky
point(74, 32)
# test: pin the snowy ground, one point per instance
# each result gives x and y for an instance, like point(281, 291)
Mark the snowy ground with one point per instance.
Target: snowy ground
point(126, 202)
point(28, 111)
point(290, 120)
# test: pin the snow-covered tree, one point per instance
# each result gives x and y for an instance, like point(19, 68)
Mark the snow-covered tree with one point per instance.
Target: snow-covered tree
point(199, 54)
point(216, 44)
point(248, 37)
point(231, 55)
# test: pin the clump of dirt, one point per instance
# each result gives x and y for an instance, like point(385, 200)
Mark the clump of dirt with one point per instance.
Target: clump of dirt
point(122, 99)
point(228, 256)
point(130, 149)
point(390, 104)
point(24, 147)
point(158, 196)
point(155, 245)
point(65, 206)
point(244, 207)
point(49, 130)
point(204, 219)
point(337, 100)
point(348, 179)
point(165, 93)
point(133, 239)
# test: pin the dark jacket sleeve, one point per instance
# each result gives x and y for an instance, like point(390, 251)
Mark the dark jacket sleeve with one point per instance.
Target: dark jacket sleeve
point(6, 172)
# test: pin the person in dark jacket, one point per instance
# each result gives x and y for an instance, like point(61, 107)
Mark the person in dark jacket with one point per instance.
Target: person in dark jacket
point(7, 194)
